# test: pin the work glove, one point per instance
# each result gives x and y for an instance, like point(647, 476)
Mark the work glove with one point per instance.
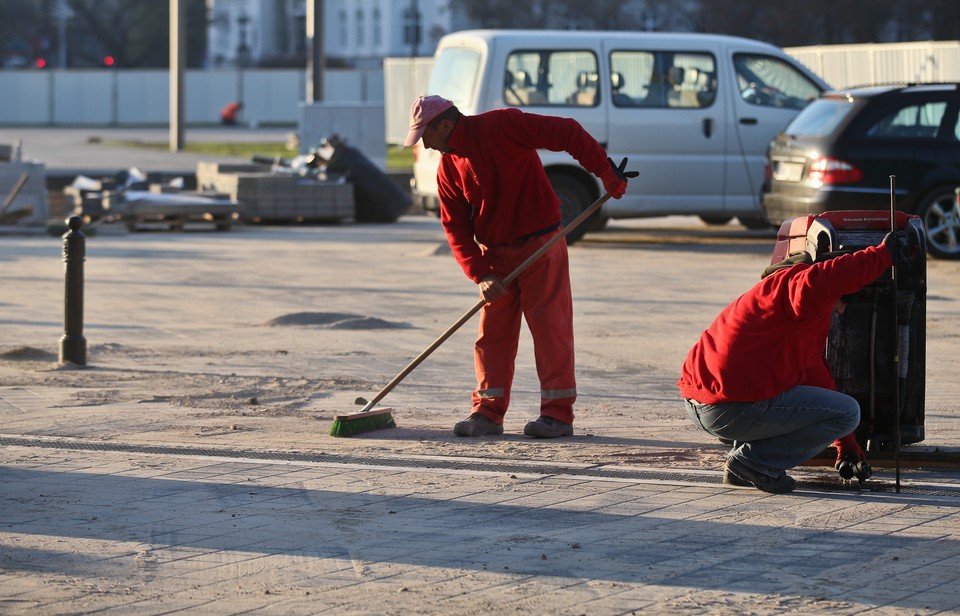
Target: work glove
point(851, 461)
point(903, 247)
point(615, 178)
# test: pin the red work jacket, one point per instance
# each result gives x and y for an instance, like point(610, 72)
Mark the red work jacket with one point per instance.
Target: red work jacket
point(492, 185)
point(773, 336)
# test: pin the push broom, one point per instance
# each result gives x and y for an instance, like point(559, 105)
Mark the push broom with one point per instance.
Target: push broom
point(370, 418)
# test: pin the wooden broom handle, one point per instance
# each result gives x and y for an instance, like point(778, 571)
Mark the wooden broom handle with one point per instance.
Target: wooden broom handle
point(576, 222)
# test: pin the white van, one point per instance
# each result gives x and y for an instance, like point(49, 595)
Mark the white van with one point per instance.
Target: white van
point(694, 113)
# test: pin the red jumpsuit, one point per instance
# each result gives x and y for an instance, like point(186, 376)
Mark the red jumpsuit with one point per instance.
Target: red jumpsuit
point(497, 207)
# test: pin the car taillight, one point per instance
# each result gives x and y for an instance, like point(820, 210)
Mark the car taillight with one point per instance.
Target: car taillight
point(825, 170)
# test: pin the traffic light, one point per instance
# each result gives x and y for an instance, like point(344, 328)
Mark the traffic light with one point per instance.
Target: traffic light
point(40, 63)
point(109, 60)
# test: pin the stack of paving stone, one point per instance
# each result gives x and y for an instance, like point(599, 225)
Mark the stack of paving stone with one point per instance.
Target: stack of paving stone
point(266, 196)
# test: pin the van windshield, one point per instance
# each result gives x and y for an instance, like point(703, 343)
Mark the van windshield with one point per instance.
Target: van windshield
point(771, 82)
point(454, 75)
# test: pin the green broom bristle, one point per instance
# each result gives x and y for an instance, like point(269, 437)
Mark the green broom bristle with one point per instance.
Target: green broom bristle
point(358, 423)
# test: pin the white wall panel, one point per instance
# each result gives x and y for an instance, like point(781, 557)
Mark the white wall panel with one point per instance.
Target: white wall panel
point(84, 97)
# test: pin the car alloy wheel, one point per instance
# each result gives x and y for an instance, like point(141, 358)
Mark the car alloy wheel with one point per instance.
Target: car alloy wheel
point(940, 214)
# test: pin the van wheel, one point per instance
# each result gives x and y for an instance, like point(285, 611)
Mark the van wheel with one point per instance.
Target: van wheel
point(755, 222)
point(941, 218)
point(597, 223)
point(574, 199)
point(716, 220)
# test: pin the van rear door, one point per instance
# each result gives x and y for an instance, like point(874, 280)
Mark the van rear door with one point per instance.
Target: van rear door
point(665, 114)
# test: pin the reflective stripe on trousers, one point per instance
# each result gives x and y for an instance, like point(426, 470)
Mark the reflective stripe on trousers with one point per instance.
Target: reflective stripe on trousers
point(541, 295)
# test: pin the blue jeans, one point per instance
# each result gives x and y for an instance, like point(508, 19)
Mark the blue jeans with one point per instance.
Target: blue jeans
point(771, 436)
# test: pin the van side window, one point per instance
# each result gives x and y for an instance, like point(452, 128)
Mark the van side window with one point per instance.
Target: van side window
point(551, 78)
point(662, 79)
point(771, 82)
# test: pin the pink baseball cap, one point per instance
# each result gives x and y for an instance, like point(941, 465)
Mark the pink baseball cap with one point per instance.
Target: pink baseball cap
point(424, 110)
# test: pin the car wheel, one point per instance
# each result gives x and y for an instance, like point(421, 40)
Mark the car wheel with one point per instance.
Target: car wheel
point(941, 218)
point(716, 220)
point(755, 222)
point(574, 199)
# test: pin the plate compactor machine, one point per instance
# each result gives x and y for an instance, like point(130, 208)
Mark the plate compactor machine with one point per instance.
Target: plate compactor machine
point(876, 347)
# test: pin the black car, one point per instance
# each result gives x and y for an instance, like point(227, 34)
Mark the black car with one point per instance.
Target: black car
point(840, 151)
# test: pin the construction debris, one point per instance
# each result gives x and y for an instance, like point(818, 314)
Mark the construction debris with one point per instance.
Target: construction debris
point(23, 189)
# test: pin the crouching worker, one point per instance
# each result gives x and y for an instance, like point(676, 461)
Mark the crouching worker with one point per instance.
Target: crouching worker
point(758, 376)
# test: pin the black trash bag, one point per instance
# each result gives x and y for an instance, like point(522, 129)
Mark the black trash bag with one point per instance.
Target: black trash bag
point(376, 197)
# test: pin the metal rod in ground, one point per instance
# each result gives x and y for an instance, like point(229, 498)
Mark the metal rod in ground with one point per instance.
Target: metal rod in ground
point(896, 339)
point(576, 222)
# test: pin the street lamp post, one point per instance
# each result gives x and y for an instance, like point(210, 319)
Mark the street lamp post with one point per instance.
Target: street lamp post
point(243, 51)
point(62, 12)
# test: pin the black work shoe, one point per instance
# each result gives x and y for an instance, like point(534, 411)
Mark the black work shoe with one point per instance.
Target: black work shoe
point(732, 480)
point(547, 427)
point(477, 425)
point(774, 485)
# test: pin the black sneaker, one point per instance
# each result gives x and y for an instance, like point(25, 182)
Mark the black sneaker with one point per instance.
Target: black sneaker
point(477, 425)
point(547, 427)
point(774, 485)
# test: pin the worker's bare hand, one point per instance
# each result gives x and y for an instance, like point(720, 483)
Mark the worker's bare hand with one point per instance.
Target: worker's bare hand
point(491, 288)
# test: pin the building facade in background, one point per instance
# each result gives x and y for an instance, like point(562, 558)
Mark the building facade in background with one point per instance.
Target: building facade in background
point(356, 33)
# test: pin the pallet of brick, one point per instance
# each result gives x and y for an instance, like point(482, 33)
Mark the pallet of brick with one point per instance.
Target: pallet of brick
point(323, 201)
point(250, 189)
point(292, 198)
point(262, 196)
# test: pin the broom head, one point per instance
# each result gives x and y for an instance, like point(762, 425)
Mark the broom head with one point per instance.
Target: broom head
point(366, 421)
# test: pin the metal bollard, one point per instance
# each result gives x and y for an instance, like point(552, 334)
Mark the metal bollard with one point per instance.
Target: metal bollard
point(73, 346)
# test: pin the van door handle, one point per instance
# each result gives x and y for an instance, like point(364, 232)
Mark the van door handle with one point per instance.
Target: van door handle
point(707, 127)
point(749, 121)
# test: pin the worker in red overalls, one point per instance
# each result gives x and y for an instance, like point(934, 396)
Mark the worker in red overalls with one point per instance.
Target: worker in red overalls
point(497, 207)
point(228, 115)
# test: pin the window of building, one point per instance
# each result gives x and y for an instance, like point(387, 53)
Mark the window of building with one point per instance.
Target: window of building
point(361, 25)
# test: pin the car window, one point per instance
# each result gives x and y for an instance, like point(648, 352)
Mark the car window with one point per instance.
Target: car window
point(551, 78)
point(662, 79)
point(771, 82)
point(454, 75)
point(910, 122)
point(820, 117)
